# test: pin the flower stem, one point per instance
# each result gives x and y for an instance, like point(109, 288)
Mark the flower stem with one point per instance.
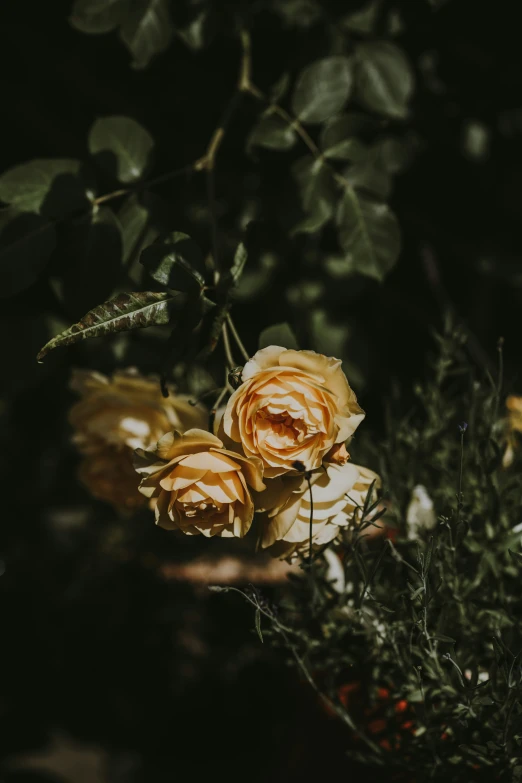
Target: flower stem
point(237, 338)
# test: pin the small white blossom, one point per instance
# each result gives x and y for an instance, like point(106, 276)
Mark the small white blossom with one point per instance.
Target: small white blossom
point(420, 514)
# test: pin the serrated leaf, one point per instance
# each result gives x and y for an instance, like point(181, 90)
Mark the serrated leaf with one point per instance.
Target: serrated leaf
point(97, 16)
point(147, 30)
point(238, 264)
point(278, 334)
point(383, 77)
point(29, 186)
point(349, 149)
point(176, 262)
point(322, 89)
point(271, 132)
point(121, 313)
point(317, 191)
point(127, 140)
point(137, 233)
point(26, 243)
point(369, 174)
point(280, 88)
point(258, 625)
point(369, 235)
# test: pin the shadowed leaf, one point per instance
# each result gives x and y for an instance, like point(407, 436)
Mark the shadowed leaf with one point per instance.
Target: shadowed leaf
point(97, 16)
point(127, 140)
point(27, 186)
point(146, 30)
point(273, 133)
point(369, 235)
point(176, 262)
point(26, 242)
point(383, 77)
point(322, 89)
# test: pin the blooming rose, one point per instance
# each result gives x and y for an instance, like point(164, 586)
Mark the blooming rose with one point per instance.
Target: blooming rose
point(117, 415)
point(199, 486)
point(292, 406)
point(338, 493)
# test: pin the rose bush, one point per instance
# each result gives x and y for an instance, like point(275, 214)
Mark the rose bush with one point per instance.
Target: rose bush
point(117, 415)
point(291, 407)
point(200, 487)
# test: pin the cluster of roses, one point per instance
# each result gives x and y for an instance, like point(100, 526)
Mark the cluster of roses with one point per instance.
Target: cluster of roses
point(284, 426)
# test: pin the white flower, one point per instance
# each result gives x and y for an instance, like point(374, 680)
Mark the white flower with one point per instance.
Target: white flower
point(420, 514)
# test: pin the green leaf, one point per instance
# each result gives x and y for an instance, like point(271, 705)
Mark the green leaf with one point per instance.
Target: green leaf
point(137, 231)
point(339, 140)
point(28, 186)
point(280, 88)
point(363, 20)
point(346, 126)
point(369, 174)
point(176, 262)
point(517, 557)
point(26, 242)
point(238, 264)
point(127, 140)
point(273, 133)
point(121, 313)
point(318, 193)
point(258, 625)
point(369, 235)
point(147, 30)
point(278, 334)
point(322, 89)
point(97, 16)
point(383, 77)
point(196, 34)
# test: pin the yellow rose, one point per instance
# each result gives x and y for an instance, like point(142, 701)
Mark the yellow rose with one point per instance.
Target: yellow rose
point(199, 486)
point(117, 415)
point(292, 406)
point(514, 425)
point(338, 493)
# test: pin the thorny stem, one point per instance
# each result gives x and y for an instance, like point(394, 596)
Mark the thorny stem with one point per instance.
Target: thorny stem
point(237, 338)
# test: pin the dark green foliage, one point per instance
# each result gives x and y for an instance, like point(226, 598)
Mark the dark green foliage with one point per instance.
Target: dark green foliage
point(435, 618)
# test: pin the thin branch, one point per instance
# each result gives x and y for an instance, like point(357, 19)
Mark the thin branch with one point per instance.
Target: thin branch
point(237, 338)
point(196, 165)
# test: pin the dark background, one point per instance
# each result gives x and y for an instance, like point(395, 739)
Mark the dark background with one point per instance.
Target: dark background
point(169, 680)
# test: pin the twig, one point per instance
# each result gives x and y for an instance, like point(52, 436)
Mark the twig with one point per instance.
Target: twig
point(196, 165)
point(237, 338)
